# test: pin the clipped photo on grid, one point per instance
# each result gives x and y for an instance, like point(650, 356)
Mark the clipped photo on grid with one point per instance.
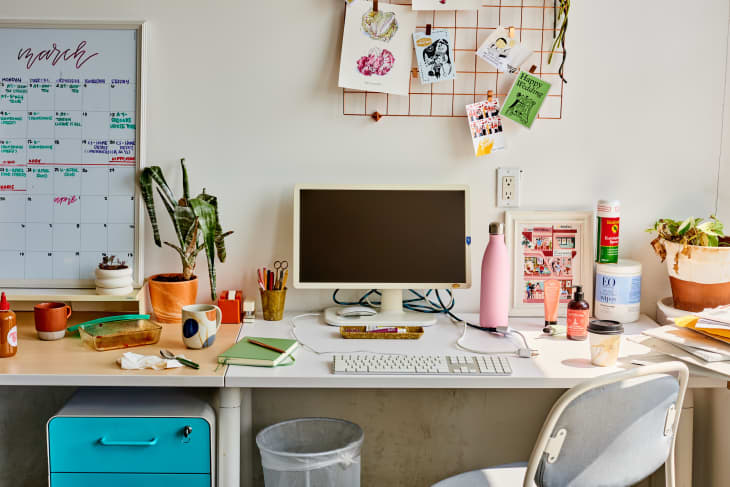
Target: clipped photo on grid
point(435, 56)
point(376, 48)
point(503, 51)
point(485, 126)
point(525, 98)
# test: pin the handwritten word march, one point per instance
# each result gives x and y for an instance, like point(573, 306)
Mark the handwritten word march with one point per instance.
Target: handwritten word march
point(54, 55)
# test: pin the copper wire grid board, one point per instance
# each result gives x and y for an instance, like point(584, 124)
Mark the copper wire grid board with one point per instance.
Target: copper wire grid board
point(411, 333)
point(533, 23)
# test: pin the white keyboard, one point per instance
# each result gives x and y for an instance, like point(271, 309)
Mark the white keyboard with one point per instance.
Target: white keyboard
point(376, 364)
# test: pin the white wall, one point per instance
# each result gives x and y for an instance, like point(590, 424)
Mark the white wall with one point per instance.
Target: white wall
point(247, 92)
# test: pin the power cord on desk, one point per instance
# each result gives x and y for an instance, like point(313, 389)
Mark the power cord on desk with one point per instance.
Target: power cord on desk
point(438, 306)
point(293, 326)
point(423, 303)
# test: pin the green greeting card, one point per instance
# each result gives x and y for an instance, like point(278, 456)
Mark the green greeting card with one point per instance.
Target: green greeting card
point(525, 99)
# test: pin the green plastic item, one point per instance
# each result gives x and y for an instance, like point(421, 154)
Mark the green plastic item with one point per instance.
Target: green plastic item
point(108, 319)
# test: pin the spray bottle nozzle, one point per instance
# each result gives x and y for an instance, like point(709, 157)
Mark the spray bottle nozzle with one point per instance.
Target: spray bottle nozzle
point(578, 295)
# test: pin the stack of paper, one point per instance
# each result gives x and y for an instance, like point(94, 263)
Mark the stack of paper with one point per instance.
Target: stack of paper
point(697, 344)
point(711, 324)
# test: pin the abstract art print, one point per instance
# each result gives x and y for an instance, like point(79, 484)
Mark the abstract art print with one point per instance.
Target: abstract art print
point(434, 56)
point(376, 48)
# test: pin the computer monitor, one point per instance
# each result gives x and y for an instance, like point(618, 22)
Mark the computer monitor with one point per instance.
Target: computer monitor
point(389, 238)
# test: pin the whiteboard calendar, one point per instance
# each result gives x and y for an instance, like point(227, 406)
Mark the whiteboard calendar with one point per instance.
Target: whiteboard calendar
point(69, 145)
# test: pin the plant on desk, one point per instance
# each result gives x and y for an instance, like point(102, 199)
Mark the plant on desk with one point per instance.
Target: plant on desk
point(113, 277)
point(197, 227)
point(698, 261)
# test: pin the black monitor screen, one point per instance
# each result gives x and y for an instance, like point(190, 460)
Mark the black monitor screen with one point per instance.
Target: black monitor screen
point(387, 236)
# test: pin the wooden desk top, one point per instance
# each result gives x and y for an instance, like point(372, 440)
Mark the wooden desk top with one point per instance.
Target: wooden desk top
point(67, 362)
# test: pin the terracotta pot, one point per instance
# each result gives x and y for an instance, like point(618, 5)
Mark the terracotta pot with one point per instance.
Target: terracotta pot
point(700, 280)
point(168, 298)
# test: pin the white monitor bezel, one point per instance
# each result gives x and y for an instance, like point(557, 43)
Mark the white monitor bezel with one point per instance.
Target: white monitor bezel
point(382, 285)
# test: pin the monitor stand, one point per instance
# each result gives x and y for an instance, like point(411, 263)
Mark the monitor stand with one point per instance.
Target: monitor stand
point(390, 313)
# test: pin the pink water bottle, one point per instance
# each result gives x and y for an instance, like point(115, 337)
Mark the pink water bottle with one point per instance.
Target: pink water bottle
point(494, 302)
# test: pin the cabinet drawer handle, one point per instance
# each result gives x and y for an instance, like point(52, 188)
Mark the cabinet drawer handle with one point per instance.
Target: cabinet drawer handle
point(106, 442)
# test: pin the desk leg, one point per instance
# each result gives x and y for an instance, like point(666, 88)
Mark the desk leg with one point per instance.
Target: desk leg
point(246, 438)
point(683, 446)
point(229, 438)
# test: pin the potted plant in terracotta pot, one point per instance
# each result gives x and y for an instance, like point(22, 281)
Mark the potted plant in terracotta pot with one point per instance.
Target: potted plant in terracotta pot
point(113, 277)
point(698, 261)
point(197, 228)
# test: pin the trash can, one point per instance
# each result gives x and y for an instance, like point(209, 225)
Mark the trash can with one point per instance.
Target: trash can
point(309, 452)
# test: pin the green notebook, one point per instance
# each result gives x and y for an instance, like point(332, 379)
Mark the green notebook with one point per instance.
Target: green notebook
point(246, 353)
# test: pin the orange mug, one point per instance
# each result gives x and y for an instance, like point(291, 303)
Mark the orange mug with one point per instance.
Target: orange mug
point(51, 320)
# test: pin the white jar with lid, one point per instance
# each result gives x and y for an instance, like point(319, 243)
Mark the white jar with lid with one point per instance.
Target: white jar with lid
point(618, 291)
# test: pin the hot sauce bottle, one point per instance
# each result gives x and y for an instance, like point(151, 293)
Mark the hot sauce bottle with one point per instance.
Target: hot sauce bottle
point(578, 316)
point(8, 330)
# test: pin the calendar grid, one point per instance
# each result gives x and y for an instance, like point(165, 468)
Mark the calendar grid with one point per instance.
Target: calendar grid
point(68, 158)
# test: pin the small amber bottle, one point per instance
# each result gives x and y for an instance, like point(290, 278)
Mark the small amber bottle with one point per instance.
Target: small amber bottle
point(578, 316)
point(8, 330)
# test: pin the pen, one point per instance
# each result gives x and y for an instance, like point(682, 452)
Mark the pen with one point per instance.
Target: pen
point(265, 345)
point(283, 281)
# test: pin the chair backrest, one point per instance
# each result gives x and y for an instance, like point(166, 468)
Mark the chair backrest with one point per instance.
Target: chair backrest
point(612, 431)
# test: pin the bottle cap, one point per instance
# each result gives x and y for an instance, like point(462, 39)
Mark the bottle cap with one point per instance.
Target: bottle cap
point(496, 228)
point(4, 306)
point(578, 296)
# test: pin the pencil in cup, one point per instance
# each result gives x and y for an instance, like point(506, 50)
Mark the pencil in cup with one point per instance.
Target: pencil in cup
point(272, 303)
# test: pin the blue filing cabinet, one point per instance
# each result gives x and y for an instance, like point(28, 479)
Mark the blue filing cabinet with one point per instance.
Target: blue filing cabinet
point(132, 437)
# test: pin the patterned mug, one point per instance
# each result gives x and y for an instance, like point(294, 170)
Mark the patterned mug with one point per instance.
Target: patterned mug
point(200, 324)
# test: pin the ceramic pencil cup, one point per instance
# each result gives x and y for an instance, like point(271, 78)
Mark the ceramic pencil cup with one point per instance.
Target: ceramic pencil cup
point(200, 324)
point(272, 304)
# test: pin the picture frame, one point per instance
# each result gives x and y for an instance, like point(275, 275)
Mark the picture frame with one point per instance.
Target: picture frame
point(548, 245)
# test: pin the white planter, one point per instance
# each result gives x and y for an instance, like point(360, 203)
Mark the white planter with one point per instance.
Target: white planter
point(113, 282)
point(700, 280)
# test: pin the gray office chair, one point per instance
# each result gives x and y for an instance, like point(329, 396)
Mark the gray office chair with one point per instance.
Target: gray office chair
point(614, 430)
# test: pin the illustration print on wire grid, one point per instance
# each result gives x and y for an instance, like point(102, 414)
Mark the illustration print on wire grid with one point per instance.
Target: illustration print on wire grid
point(377, 48)
point(380, 25)
point(434, 56)
point(377, 61)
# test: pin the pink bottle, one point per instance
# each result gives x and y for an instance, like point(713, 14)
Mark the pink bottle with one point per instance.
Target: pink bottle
point(494, 302)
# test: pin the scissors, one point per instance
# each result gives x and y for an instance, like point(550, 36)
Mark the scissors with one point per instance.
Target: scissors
point(281, 267)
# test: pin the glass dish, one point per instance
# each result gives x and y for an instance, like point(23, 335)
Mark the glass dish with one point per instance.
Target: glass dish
point(120, 334)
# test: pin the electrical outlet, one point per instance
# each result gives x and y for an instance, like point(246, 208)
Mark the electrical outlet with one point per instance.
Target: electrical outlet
point(508, 187)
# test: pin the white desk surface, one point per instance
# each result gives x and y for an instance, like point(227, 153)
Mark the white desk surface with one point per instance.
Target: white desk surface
point(562, 363)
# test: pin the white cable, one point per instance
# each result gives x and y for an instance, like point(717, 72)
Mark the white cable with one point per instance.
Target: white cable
point(459, 345)
point(528, 352)
point(293, 326)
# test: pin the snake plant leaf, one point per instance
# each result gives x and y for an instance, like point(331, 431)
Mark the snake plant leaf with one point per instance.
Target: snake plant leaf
point(171, 212)
point(150, 175)
point(185, 218)
point(186, 184)
point(205, 212)
point(219, 235)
